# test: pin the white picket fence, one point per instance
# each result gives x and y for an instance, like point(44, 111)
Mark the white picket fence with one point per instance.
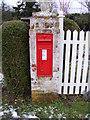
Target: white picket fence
point(74, 70)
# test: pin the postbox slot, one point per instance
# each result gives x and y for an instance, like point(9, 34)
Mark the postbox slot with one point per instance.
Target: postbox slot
point(44, 40)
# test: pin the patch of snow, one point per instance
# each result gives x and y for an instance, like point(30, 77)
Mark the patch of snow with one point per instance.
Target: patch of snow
point(45, 111)
point(87, 116)
point(59, 115)
point(1, 76)
point(41, 108)
point(64, 118)
point(49, 107)
point(6, 111)
point(29, 106)
point(50, 117)
point(52, 112)
point(6, 104)
point(14, 113)
point(1, 113)
point(0, 107)
point(25, 116)
point(30, 115)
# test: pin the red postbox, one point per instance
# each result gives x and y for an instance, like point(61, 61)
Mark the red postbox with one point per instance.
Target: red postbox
point(44, 45)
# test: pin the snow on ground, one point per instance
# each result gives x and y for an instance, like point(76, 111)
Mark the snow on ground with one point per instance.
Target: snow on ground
point(14, 114)
point(1, 76)
point(32, 115)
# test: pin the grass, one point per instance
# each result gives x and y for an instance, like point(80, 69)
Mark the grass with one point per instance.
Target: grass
point(69, 106)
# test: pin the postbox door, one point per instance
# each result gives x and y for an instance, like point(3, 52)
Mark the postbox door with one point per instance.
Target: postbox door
point(44, 58)
point(45, 62)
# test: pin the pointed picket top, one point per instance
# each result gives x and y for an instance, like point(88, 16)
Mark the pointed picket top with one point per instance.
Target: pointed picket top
point(75, 35)
point(82, 31)
point(68, 30)
point(75, 31)
point(68, 33)
point(87, 35)
point(88, 40)
point(82, 35)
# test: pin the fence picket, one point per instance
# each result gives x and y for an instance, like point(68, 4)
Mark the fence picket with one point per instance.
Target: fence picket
point(79, 64)
point(73, 62)
point(68, 38)
point(85, 67)
point(88, 87)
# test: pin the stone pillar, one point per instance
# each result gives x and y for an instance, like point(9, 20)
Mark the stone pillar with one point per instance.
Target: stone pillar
point(42, 86)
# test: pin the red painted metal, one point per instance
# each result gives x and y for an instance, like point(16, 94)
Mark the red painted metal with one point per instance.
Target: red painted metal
point(44, 54)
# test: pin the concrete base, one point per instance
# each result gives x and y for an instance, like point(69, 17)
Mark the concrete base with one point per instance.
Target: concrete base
point(40, 96)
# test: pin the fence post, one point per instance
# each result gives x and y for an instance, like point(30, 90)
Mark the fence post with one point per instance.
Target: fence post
point(89, 60)
point(61, 50)
point(61, 20)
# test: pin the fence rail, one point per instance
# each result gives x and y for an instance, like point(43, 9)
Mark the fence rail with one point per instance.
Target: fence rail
point(74, 70)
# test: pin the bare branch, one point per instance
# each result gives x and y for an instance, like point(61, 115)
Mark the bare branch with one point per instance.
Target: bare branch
point(86, 4)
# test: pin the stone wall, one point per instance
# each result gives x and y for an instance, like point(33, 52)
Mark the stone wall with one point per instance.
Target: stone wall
point(44, 24)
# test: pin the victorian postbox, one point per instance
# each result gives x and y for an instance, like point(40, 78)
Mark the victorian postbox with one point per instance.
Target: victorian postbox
point(44, 54)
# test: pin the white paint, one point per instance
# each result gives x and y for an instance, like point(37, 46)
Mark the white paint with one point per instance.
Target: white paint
point(85, 67)
point(72, 84)
point(61, 20)
point(61, 46)
point(73, 61)
point(67, 57)
point(80, 60)
point(61, 60)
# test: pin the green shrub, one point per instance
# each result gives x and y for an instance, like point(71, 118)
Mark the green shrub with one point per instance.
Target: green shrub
point(15, 57)
point(82, 20)
point(71, 25)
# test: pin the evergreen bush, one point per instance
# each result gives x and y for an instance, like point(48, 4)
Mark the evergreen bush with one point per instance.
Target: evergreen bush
point(71, 25)
point(15, 57)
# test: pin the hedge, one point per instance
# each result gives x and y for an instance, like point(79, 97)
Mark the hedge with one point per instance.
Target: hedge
point(15, 57)
point(81, 19)
point(71, 25)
